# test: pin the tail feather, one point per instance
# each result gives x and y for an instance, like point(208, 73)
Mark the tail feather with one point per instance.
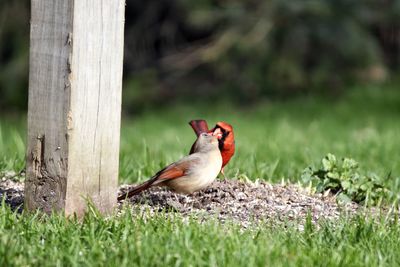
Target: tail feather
point(199, 126)
point(137, 189)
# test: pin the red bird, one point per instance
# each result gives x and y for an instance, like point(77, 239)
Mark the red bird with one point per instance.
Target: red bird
point(226, 138)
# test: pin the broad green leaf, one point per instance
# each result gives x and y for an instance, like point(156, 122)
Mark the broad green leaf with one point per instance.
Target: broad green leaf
point(342, 197)
point(334, 175)
point(329, 162)
point(349, 164)
point(345, 184)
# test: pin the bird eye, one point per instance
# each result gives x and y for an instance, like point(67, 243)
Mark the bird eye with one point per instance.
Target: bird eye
point(204, 134)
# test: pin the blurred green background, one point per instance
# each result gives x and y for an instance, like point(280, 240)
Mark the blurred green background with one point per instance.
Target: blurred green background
point(236, 51)
point(296, 79)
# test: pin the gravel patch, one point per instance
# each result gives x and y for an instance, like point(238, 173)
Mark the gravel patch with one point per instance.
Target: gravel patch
point(245, 203)
point(225, 200)
point(12, 190)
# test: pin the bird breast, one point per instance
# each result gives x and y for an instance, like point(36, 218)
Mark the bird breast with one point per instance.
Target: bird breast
point(200, 175)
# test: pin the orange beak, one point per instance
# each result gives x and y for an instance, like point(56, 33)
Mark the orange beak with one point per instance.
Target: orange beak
point(217, 132)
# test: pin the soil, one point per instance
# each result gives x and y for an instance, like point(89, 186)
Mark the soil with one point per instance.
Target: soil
point(243, 202)
point(12, 191)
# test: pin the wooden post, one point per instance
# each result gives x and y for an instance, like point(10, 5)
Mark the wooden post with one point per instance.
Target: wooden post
point(75, 81)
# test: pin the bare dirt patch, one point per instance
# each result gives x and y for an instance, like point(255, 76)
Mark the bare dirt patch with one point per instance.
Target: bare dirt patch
point(224, 200)
point(244, 202)
point(13, 192)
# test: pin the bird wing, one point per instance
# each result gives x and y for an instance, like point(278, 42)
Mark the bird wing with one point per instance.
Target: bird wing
point(177, 169)
point(172, 171)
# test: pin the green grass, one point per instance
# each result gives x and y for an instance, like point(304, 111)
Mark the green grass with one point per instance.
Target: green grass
point(275, 140)
point(12, 145)
point(28, 240)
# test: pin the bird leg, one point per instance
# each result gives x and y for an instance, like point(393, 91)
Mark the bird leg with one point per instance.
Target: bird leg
point(223, 173)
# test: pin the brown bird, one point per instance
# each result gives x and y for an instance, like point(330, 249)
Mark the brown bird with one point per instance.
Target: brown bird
point(224, 133)
point(192, 173)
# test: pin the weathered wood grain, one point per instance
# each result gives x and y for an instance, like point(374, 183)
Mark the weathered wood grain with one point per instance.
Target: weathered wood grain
point(75, 82)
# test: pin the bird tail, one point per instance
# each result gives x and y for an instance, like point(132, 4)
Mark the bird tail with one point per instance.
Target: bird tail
point(137, 189)
point(199, 126)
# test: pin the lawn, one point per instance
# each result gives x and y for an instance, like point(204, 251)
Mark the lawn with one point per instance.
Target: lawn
point(275, 141)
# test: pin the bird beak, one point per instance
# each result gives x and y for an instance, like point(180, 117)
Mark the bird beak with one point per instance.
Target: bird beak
point(217, 132)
